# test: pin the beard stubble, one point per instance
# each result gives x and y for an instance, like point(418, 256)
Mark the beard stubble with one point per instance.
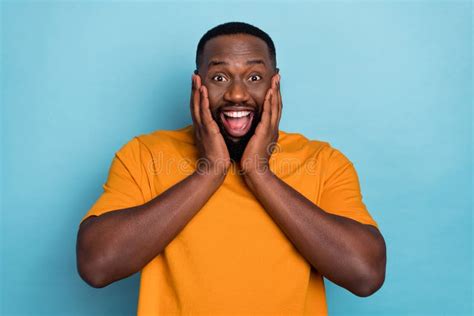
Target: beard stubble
point(236, 148)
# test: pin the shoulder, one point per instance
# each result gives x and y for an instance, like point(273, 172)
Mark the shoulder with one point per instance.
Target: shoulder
point(160, 138)
point(317, 153)
point(292, 142)
point(138, 146)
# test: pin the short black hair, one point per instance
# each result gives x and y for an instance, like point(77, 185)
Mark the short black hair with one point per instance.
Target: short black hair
point(231, 28)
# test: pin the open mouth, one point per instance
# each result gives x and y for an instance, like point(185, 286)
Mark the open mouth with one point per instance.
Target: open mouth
point(237, 123)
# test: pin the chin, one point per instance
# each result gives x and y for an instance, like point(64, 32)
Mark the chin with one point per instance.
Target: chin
point(235, 139)
point(236, 145)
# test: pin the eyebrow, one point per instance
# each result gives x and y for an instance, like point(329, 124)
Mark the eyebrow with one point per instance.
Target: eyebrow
point(249, 62)
point(216, 63)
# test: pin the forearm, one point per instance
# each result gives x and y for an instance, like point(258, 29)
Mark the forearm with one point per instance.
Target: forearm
point(117, 244)
point(346, 252)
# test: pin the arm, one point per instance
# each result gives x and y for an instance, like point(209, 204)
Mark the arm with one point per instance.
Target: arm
point(116, 244)
point(349, 253)
point(345, 251)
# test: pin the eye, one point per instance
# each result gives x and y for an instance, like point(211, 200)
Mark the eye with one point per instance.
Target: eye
point(255, 78)
point(219, 78)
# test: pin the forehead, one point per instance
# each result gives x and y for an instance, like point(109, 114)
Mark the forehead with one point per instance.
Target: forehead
point(234, 47)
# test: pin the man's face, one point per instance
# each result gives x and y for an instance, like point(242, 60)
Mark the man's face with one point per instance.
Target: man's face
point(237, 71)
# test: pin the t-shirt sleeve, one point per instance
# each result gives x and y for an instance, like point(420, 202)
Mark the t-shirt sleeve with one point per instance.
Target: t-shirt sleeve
point(341, 193)
point(122, 189)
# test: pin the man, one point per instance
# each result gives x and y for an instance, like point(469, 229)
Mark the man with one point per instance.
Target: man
point(231, 215)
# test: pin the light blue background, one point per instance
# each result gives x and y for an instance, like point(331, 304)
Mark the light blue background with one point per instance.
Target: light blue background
point(388, 83)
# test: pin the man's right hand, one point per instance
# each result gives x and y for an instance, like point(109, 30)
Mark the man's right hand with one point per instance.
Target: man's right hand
point(213, 154)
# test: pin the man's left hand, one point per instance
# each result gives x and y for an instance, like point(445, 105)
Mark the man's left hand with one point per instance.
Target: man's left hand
point(259, 149)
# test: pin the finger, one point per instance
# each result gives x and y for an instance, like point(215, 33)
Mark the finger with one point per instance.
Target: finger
point(191, 100)
point(265, 120)
point(280, 102)
point(205, 113)
point(196, 99)
point(198, 81)
point(274, 103)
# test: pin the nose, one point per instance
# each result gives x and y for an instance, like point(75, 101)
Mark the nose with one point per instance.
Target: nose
point(236, 93)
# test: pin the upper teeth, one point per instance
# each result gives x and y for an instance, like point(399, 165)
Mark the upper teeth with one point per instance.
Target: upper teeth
point(237, 113)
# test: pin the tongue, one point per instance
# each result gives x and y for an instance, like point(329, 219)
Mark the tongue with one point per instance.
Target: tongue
point(237, 122)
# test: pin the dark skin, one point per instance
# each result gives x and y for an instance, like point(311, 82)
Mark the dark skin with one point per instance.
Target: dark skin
point(234, 69)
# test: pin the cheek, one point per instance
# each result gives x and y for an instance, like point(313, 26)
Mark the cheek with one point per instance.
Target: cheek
point(214, 93)
point(215, 98)
point(258, 94)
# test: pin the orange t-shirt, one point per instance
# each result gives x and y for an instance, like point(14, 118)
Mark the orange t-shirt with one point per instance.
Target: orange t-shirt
point(231, 258)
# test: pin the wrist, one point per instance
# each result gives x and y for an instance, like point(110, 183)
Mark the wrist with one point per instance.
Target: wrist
point(255, 176)
point(254, 165)
point(210, 177)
